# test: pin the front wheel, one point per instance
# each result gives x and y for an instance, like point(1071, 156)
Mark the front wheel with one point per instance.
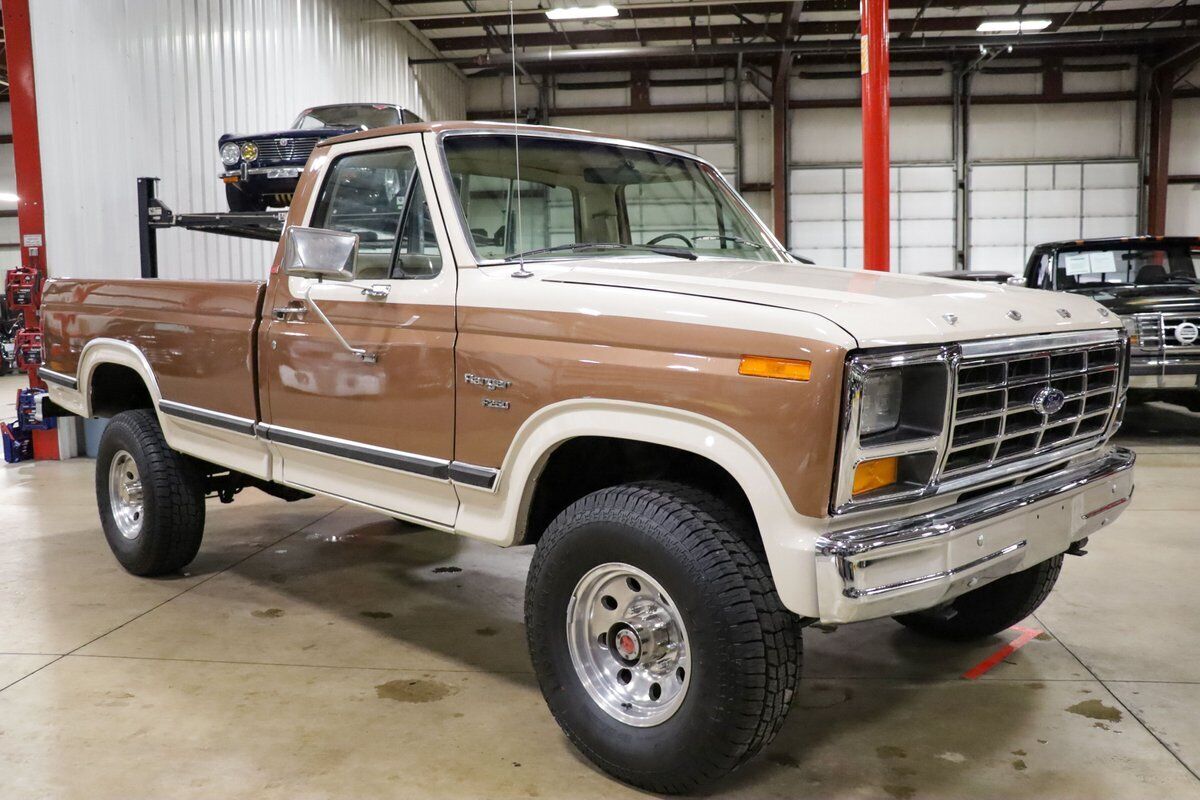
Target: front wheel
point(151, 497)
point(658, 639)
point(989, 609)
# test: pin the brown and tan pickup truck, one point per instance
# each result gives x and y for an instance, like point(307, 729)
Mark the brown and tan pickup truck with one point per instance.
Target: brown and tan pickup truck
point(538, 336)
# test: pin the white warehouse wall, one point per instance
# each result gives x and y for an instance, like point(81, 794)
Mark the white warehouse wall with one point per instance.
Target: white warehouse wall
point(129, 88)
point(10, 238)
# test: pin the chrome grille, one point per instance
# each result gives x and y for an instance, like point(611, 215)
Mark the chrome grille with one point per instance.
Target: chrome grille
point(1160, 332)
point(1170, 331)
point(285, 148)
point(1150, 332)
point(995, 420)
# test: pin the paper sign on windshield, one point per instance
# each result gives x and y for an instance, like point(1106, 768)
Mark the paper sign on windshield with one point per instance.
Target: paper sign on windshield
point(1077, 263)
point(1103, 261)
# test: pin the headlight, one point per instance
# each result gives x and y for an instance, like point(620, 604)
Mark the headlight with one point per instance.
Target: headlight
point(230, 153)
point(881, 395)
point(249, 151)
point(893, 426)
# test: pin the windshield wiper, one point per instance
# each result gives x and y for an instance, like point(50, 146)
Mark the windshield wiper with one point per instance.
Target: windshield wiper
point(559, 248)
point(727, 238)
point(1172, 278)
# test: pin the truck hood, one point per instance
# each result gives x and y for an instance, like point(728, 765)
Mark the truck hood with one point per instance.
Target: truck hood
point(876, 308)
point(1169, 298)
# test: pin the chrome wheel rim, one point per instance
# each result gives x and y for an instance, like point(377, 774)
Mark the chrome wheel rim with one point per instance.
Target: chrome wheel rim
point(125, 495)
point(628, 645)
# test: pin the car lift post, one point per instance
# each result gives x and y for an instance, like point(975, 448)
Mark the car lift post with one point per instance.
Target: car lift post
point(147, 234)
point(875, 135)
point(153, 213)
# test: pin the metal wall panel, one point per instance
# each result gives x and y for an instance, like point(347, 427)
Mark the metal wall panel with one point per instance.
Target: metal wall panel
point(144, 87)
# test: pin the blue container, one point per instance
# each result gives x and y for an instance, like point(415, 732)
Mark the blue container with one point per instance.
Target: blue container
point(18, 444)
point(93, 429)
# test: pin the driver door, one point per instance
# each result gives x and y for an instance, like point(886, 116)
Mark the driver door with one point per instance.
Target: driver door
point(378, 432)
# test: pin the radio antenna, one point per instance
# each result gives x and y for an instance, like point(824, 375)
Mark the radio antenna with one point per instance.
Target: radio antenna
point(512, 53)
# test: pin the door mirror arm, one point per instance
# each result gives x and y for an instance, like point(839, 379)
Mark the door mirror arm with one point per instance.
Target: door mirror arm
point(324, 255)
point(360, 353)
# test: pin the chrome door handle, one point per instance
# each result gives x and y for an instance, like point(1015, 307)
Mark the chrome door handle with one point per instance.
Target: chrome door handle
point(289, 312)
point(379, 291)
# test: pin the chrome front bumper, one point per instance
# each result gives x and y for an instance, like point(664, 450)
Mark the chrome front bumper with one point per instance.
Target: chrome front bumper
point(270, 172)
point(1164, 372)
point(918, 562)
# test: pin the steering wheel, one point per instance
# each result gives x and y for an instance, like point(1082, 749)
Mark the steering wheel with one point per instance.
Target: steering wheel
point(679, 236)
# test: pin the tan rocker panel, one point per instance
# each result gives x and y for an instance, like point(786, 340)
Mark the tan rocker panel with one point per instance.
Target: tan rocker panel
point(549, 357)
point(196, 336)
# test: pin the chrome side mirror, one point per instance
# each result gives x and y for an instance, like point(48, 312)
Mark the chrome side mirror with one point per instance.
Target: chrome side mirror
point(319, 253)
point(324, 255)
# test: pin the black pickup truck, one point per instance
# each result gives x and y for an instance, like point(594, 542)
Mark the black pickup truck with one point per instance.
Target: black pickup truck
point(1153, 284)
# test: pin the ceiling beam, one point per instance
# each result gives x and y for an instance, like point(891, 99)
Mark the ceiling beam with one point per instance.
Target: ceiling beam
point(669, 10)
point(826, 28)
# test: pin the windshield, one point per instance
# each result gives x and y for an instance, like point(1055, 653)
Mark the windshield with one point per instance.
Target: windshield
point(583, 199)
point(1142, 266)
point(349, 116)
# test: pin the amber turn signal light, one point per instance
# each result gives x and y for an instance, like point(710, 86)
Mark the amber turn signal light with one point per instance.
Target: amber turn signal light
point(875, 474)
point(788, 369)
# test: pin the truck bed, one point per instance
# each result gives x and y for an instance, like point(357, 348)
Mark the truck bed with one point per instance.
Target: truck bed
point(198, 336)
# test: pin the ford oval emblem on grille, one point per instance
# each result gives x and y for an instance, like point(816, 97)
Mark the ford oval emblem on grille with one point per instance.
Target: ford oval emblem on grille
point(1049, 401)
point(1187, 333)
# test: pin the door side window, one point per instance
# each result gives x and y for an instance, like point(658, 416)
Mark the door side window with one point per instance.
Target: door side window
point(372, 195)
point(417, 252)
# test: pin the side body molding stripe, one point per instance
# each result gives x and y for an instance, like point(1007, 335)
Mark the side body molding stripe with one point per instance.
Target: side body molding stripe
point(379, 456)
point(203, 415)
point(469, 474)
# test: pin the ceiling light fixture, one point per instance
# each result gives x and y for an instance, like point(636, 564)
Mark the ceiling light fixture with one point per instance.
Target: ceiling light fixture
point(1013, 25)
point(581, 12)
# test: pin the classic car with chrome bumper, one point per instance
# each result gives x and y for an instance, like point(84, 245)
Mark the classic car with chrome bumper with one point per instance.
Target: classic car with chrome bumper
point(922, 561)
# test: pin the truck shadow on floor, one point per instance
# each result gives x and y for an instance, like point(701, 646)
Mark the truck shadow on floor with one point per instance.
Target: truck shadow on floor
point(1158, 423)
point(443, 599)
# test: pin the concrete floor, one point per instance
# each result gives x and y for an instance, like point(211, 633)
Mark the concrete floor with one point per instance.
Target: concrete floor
point(316, 651)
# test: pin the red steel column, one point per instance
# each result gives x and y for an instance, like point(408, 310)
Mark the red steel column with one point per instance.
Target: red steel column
point(876, 147)
point(1162, 86)
point(26, 150)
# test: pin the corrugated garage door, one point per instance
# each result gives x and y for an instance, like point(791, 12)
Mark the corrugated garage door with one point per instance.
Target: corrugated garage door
point(1013, 207)
point(825, 216)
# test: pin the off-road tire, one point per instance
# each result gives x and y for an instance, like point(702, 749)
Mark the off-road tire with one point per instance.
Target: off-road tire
point(241, 202)
point(172, 522)
point(989, 609)
point(745, 646)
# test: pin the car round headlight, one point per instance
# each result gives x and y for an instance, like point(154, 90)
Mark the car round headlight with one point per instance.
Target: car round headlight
point(230, 153)
point(249, 151)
